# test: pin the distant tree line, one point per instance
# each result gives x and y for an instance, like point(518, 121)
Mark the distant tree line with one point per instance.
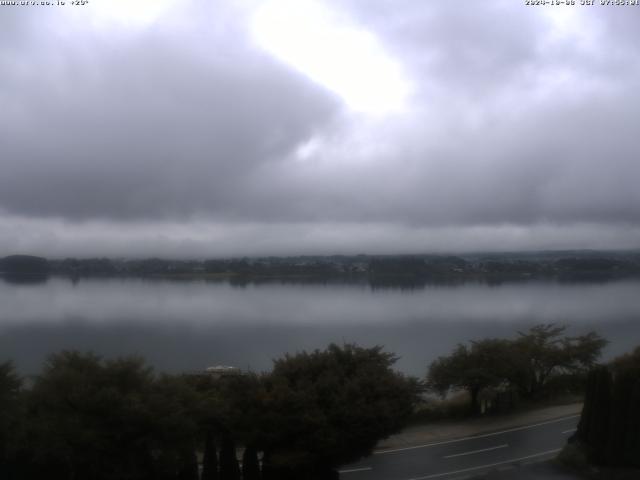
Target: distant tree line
point(534, 363)
point(381, 270)
point(24, 264)
point(84, 417)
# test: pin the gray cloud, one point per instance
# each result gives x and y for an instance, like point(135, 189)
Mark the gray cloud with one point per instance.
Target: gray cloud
point(201, 238)
point(517, 123)
point(151, 125)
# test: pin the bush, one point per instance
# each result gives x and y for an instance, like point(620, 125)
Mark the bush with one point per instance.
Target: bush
point(330, 407)
point(430, 409)
point(574, 457)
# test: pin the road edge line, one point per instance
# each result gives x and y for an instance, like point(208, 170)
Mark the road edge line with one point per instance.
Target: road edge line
point(471, 469)
point(472, 437)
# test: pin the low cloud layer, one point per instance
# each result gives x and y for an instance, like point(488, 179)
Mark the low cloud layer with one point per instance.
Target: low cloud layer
point(185, 137)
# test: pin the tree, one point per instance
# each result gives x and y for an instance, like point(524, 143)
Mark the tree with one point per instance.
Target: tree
point(485, 363)
point(229, 468)
point(10, 416)
point(543, 351)
point(330, 407)
point(527, 362)
point(629, 362)
point(593, 427)
point(189, 468)
point(91, 418)
point(250, 465)
point(210, 458)
point(10, 383)
point(624, 443)
point(609, 428)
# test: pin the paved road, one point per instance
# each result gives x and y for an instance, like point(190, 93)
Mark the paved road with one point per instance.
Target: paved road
point(464, 457)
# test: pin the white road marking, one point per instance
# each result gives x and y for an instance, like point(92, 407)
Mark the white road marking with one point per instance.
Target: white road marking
point(354, 470)
point(477, 451)
point(446, 442)
point(491, 465)
point(569, 431)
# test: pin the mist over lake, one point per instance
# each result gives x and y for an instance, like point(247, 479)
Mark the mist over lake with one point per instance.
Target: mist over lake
point(189, 325)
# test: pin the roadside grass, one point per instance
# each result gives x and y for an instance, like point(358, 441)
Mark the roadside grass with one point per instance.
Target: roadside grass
point(453, 407)
point(457, 406)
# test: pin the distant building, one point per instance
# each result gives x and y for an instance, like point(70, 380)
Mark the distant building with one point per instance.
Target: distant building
point(220, 371)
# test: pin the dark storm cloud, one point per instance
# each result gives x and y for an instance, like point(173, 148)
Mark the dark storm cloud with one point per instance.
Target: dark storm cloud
point(149, 125)
point(521, 123)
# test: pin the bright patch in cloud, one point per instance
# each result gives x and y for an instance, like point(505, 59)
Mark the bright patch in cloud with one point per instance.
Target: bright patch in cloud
point(333, 52)
point(131, 13)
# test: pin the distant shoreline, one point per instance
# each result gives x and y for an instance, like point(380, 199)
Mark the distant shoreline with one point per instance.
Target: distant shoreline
point(375, 270)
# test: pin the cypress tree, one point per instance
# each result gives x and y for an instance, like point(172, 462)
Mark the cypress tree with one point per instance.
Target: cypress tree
point(229, 469)
point(189, 466)
point(593, 429)
point(250, 465)
point(622, 447)
point(268, 472)
point(210, 459)
point(609, 427)
point(632, 444)
point(587, 408)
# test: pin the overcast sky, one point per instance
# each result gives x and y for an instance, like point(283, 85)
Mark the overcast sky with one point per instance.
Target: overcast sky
point(243, 127)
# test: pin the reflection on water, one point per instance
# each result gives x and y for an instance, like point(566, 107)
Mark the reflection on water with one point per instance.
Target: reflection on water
point(190, 325)
point(24, 279)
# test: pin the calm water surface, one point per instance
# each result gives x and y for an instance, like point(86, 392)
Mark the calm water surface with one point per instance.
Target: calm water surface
point(190, 325)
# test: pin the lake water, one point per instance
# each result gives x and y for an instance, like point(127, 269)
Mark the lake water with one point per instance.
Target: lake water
point(189, 325)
